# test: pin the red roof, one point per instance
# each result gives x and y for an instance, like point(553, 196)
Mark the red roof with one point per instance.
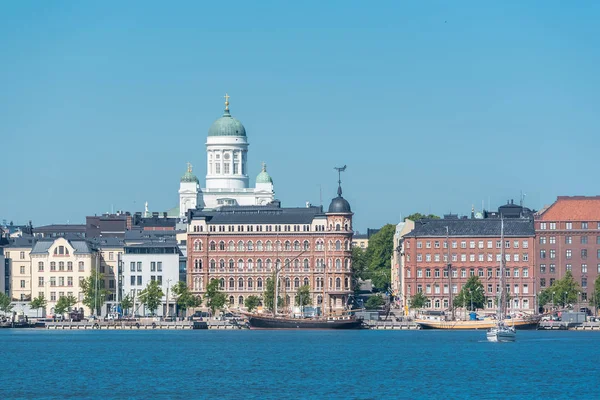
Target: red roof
point(573, 208)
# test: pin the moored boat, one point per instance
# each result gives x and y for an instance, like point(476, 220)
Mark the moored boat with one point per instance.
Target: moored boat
point(518, 323)
point(269, 322)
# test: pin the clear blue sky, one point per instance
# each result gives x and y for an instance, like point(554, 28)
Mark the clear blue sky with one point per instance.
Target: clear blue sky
point(434, 106)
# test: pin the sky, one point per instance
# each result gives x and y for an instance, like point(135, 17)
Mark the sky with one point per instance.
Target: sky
point(434, 106)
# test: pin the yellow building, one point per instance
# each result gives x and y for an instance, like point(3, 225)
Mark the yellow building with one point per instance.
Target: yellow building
point(110, 252)
point(19, 263)
point(58, 267)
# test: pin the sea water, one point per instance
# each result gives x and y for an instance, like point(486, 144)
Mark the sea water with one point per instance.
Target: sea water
point(38, 364)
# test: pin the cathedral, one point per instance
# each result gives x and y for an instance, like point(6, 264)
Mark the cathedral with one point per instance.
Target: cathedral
point(227, 181)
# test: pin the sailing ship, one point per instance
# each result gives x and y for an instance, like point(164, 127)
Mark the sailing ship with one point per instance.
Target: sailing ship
point(501, 332)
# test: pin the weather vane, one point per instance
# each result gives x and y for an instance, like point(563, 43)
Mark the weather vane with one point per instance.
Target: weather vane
point(340, 170)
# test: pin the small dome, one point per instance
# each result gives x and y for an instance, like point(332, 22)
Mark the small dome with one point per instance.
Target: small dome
point(264, 176)
point(339, 205)
point(227, 126)
point(189, 176)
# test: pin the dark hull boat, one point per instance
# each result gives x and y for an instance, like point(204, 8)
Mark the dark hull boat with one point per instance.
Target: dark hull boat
point(260, 322)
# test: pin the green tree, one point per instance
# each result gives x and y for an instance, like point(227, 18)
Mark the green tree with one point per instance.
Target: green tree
point(418, 216)
point(38, 302)
point(93, 291)
point(152, 296)
point(5, 305)
point(251, 303)
point(269, 295)
point(359, 268)
point(126, 304)
point(61, 306)
point(303, 297)
point(185, 298)
point(215, 299)
point(595, 298)
point(374, 302)
point(379, 257)
point(564, 291)
point(471, 295)
point(418, 300)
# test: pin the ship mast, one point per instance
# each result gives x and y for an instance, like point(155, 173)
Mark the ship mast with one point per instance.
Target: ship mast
point(502, 296)
point(451, 304)
point(275, 300)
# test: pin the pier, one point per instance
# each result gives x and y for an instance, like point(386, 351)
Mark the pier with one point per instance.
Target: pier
point(391, 325)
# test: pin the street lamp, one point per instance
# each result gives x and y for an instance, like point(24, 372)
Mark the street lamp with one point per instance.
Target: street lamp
point(578, 295)
point(565, 304)
point(553, 300)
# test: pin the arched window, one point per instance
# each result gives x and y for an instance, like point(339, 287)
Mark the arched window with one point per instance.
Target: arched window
point(306, 264)
point(278, 264)
point(278, 245)
point(346, 245)
point(197, 245)
point(297, 245)
point(306, 282)
point(296, 263)
point(197, 265)
point(338, 264)
point(259, 264)
point(306, 245)
point(437, 303)
point(241, 283)
point(337, 227)
point(240, 264)
point(222, 283)
point(221, 245)
point(222, 264)
point(250, 263)
point(241, 301)
point(347, 263)
point(250, 246)
point(338, 283)
point(319, 299)
point(296, 283)
point(231, 264)
point(231, 246)
point(213, 265)
point(81, 266)
point(269, 265)
point(346, 283)
point(287, 283)
point(213, 246)
point(231, 283)
point(231, 300)
point(240, 246)
point(250, 284)
point(259, 283)
point(338, 245)
point(288, 245)
point(269, 246)
point(259, 246)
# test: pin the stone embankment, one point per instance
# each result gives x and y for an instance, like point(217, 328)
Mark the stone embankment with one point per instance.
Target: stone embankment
point(143, 325)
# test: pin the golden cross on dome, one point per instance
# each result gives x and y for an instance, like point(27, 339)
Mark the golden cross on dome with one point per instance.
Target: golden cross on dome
point(226, 102)
point(189, 167)
point(264, 166)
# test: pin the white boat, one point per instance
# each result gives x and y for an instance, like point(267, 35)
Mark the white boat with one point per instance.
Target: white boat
point(501, 332)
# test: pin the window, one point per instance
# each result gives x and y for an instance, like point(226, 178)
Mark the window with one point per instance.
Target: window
point(543, 254)
point(516, 273)
point(584, 282)
point(436, 273)
point(463, 273)
point(569, 267)
point(498, 244)
point(489, 244)
point(81, 266)
point(552, 240)
point(480, 272)
point(552, 226)
point(552, 268)
point(139, 266)
point(463, 257)
point(583, 254)
point(463, 244)
point(153, 266)
point(525, 256)
point(69, 265)
point(525, 244)
point(472, 244)
point(480, 244)
point(132, 280)
point(454, 245)
point(428, 273)
point(159, 266)
point(480, 257)
point(53, 266)
point(584, 268)
point(419, 246)
point(420, 272)
point(419, 258)
point(552, 254)
point(568, 254)
point(543, 225)
point(569, 225)
point(584, 225)
point(584, 240)
point(471, 257)
point(542, 268)
point(515, 257)
point(428, 257)
point(132, 266)
point(428, 244)
point(525, 272)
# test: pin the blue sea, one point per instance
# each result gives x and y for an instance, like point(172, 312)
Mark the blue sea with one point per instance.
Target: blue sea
point(42, 364)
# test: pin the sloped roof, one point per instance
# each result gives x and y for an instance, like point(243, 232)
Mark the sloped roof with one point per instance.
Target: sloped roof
point(573, 208)
point(259, 215)
point(513, 227)
point(79, 246)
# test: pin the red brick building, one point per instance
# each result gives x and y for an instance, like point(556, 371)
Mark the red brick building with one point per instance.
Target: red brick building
point(568, 239)
point(471, 247)
point(241, 247)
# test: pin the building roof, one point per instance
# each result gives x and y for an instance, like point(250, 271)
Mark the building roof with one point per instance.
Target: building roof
point(21, 242)
point(60, 228)
point(513, 227)
point(108, 242)
point(268, 214)
point(227, 126)
point(80, 246)
point(263, 176)
point(572, 208)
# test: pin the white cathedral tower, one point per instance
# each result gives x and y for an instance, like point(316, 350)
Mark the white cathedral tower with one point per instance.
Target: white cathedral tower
point(227, 182)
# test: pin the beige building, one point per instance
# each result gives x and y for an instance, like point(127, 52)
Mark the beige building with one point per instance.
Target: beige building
point(19, 262)
point(397, 275)
point(58, 266)
point(110, 252)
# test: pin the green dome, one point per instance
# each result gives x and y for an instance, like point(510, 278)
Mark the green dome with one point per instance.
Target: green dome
point(264, 176)
point(227, 126)
point(189, 176)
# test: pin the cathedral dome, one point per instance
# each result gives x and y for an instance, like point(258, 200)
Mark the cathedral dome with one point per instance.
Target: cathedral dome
point(227, 126)
point(264, 176)
point(189, 176)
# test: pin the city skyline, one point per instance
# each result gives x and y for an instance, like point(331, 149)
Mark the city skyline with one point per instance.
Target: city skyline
point(433, 108)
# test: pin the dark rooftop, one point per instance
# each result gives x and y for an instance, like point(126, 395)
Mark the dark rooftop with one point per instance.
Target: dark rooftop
point(489, 227)
point(259, 214)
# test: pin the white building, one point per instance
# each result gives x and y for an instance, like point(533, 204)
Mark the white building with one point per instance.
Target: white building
point(227, 181)
point(397, 273)
point(148, 261)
